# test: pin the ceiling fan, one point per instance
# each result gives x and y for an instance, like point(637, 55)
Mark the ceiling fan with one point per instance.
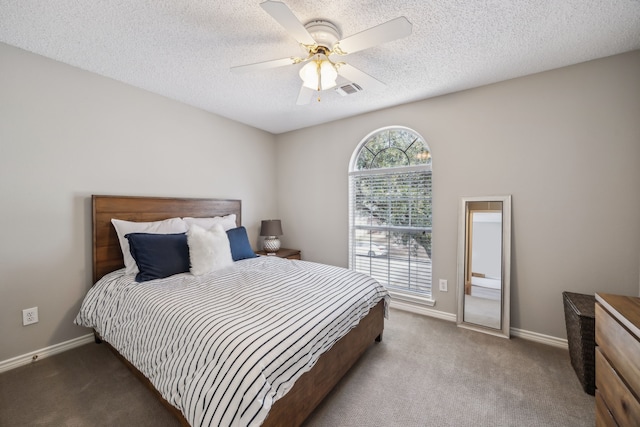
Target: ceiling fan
point(322, 41)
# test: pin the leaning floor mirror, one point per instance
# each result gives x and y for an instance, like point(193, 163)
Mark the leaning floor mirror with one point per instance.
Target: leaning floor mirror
point(484, 255)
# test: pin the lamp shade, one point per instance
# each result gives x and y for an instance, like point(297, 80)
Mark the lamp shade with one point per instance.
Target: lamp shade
point(271, 227)
point(318, 75)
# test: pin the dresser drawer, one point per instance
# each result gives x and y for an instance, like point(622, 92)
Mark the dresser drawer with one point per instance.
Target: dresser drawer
point(620, 401)
point(620, 348)
point(603, 415)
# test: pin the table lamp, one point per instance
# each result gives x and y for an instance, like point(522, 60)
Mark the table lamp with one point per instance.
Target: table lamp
point(271, 229)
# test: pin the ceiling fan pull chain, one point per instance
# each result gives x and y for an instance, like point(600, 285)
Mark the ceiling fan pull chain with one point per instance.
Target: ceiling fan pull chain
point(319, 69)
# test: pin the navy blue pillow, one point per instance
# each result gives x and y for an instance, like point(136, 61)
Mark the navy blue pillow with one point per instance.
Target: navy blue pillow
point(240, 247)
point(159, 255)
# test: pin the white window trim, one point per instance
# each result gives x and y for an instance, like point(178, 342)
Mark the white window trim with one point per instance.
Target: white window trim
point(407, 299)
point(411, 298)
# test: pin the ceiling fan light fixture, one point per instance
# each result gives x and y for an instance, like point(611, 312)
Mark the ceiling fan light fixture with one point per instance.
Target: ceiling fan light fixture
point(323, 40)
point(325, 33)
point(319, 75)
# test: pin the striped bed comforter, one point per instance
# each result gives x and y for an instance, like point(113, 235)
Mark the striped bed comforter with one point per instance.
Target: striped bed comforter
point(223, 347)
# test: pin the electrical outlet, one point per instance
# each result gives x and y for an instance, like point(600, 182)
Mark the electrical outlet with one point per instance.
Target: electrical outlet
point(443, 285)
point(29, 316)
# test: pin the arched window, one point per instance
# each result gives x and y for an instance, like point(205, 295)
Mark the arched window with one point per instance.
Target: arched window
point(390, 210)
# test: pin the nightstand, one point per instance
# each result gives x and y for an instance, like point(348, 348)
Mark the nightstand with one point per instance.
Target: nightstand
point(283, 253)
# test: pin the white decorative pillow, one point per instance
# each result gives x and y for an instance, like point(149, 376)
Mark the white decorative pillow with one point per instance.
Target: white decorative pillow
point(167, 226)
point(209, 250)
point(228, 222)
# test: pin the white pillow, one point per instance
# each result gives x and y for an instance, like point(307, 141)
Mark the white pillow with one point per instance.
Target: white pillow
point(228, 222)
point(167, 226)
point(209, 250)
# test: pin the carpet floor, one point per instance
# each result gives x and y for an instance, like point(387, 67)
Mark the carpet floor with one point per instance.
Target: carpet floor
point(425, 372)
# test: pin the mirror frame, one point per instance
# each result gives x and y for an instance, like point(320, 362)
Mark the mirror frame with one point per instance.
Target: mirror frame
point(504, 331)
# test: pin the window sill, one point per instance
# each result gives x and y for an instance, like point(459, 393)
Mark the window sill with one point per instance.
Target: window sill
point(411, 298)
point(418, 305)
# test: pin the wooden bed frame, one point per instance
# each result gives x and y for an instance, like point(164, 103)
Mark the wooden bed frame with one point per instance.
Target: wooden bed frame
point(312, 387)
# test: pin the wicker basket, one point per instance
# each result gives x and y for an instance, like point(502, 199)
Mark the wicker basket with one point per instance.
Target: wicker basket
point(579, 315)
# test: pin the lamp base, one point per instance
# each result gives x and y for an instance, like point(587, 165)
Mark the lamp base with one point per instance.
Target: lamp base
point(271, 244)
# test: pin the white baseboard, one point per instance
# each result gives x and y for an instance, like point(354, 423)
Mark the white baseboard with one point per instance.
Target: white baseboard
point(541, 338)
point(519, 333)
point(25, 359)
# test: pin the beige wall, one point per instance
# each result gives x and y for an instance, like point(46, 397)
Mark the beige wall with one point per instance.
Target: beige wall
point(66, 134)
point(565, 144)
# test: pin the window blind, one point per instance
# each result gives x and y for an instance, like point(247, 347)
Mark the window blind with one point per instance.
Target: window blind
point(391, 220)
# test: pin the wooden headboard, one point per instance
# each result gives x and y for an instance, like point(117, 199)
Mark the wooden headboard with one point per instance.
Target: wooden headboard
point(107, 255)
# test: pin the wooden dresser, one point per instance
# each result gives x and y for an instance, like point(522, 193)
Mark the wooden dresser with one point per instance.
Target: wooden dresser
point(617, 360)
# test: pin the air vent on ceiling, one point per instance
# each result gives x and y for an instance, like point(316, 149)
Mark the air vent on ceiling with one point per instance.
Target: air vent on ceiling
point(348, 89)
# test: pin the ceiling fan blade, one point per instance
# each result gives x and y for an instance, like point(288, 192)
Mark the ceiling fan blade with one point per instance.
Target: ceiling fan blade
point(285, 17)
point(305, 95)
point(360, 78)
point(383, 33)
point(266, 65)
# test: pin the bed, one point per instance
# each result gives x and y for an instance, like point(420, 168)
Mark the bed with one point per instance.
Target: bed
point(280, 402)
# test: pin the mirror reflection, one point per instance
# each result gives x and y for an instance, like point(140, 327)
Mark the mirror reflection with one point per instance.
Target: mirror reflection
point(483, 267)
point(483, 264)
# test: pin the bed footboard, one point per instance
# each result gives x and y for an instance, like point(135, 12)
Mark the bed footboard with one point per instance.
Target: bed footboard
point(312, 387)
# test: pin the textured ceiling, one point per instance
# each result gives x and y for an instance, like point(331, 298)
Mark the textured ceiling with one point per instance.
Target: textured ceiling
point(183, 49)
